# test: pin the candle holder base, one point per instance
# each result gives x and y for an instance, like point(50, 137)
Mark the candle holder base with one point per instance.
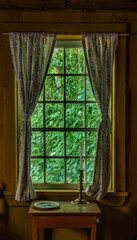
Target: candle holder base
point(79, 202)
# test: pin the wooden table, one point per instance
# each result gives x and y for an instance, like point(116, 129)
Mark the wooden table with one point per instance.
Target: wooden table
point(66, 216)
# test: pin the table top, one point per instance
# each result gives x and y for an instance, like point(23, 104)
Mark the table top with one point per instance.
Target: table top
point(66, 208)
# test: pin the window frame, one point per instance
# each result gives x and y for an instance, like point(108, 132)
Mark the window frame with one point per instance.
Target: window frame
point(118, 168)
point(73, 43)
point(117, 196)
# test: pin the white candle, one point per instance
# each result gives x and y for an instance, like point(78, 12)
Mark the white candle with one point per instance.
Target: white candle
point(81, 167)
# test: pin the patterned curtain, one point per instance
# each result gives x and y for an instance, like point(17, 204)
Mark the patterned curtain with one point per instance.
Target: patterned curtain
point(99, 54)
point(31, 54)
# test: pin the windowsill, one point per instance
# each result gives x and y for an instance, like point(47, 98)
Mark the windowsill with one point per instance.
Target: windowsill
point(115, 199)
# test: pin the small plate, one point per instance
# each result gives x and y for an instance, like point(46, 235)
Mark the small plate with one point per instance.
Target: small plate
point(45, 205)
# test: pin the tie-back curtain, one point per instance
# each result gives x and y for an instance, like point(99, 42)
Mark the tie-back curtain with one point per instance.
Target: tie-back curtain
point(99, 54)
point(31, 54)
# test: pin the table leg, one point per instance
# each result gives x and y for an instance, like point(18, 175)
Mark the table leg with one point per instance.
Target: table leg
point(34, 230)
point(93, 232)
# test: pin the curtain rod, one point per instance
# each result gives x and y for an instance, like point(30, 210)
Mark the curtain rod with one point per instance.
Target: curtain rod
point(61, 34)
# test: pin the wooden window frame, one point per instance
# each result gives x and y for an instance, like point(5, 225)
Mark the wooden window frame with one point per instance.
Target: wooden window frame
point(119, 128)
point(73, 186)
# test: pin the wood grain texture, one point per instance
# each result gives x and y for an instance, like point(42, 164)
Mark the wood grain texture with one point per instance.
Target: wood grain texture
point(120, 116)
point(67, 208)
point(66, 221)
point(61, 28)
point(8, 118)
point(68, 4)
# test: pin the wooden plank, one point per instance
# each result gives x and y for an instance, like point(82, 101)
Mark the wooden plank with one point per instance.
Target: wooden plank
point(71, 16)
point(63, 4)
point(8, 136)
point(120, 117)
point(61, 28)
point(64, 221)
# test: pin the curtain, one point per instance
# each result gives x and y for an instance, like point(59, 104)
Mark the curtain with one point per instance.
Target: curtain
point(31, 54)
point(99, 54)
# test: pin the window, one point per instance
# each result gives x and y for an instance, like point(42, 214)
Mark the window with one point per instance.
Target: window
point(118, 116)
point(65, 116)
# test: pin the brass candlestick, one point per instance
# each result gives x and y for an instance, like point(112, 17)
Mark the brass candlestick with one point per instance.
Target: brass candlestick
point(80, 199)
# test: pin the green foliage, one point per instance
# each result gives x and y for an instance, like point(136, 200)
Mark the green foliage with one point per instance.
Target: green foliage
point(54, 115)
point(74, 115)
point(74, 88)
point(74, 60)
point(55, 170)
point(54, 144)
point(91, 143)
point(53, 88)
point(37, 116)
point(54, 118)
point(56, 65)
point(72, 169)
point(37, 170)
point(89, 93)
point(73, 141)
point(37, 147)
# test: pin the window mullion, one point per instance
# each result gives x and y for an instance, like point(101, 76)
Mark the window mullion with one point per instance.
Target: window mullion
point(65, 114)
point(68, 74)
point(67, 157)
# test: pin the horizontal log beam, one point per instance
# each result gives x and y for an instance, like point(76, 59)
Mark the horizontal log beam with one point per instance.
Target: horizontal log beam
point(61, 28)
point(69, 4)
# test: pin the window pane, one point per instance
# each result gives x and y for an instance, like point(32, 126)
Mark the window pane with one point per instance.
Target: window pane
point(74, 115)
point(37, 170)
point(53, 88)
point(91, 143)
point(93, 115)
point(73, 141)
point(41, 96)
point(37, 116)
point(37, 148)
point(55, 170)
point(89, 92)
point(72, 170)
point(90, 170)
point(74, 88)
point(56, 65)
point(54, 144)
point(74, 60)
point(54, 115)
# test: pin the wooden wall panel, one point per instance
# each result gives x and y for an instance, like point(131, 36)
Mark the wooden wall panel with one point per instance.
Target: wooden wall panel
point(19, 223)
point(68, 4)
point(7, 117)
